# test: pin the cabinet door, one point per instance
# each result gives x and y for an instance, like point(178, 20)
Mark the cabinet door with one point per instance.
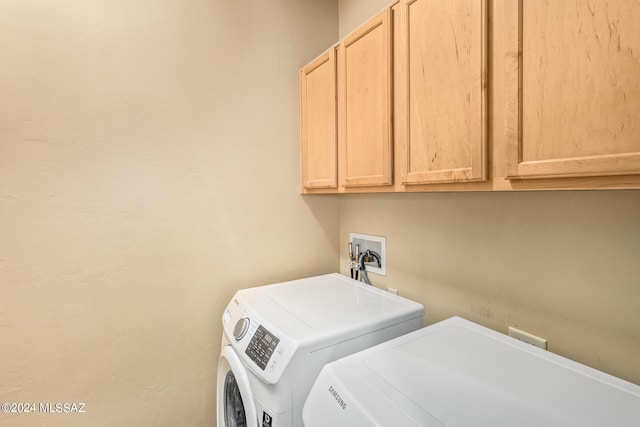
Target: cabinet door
point(364, 62)
point(572, 88)
point(318, 138)
point(441, 91)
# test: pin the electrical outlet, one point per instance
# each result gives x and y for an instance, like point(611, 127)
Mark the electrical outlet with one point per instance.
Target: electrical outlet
point(528, 338)
point(374, 243)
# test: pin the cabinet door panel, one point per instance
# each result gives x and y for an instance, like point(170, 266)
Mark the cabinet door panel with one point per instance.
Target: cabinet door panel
point(441, 91)
point(364, 62)
point(318, 139)
point(573, 88)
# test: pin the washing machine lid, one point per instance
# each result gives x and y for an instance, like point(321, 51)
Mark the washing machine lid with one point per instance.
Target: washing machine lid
point(328, 308)
point(457, 373)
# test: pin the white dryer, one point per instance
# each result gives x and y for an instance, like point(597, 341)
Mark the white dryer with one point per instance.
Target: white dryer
point(278, 337)
point(457, 373)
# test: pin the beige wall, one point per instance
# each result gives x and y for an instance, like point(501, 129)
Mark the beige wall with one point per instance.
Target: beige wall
point(561, 265)
point(149, 168)
point(354, 13)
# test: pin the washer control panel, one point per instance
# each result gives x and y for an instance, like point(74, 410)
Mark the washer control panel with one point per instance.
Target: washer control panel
point(261, 347)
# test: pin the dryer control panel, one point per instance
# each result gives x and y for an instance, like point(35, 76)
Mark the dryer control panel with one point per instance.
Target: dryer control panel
point(261, 347)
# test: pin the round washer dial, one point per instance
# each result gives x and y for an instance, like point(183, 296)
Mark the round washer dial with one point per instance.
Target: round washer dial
point(241, 328)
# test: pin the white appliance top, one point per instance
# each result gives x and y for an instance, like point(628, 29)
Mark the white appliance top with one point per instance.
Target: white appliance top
point(332, 301)
point(457, 373)
point(306, 315)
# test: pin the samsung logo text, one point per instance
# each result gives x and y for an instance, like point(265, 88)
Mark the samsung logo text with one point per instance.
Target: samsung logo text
point(337, 397)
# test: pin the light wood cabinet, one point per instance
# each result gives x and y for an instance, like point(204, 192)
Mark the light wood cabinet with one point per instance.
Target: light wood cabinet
point(318, 129)
point(572, 77)
point(441, 91)
point(365, 104)
point(477, 95)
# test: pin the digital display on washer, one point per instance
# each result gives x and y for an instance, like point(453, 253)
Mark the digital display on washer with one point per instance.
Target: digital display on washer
point(261, 347)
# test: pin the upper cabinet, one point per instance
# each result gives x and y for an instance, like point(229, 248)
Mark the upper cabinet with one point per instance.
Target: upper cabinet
point(441, 72)
point(477, 95)
point(365, 104)
point(572, 88)
point(318, 123)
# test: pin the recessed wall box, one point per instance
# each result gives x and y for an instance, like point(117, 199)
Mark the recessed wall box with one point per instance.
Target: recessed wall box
point(374, 243)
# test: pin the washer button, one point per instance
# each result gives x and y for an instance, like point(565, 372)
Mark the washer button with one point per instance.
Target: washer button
point(226, 317)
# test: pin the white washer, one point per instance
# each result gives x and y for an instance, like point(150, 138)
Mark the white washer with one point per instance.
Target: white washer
point(457, 373)
point(277, 338)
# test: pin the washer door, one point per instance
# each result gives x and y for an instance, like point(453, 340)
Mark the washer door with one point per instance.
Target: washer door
point(235, 401)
